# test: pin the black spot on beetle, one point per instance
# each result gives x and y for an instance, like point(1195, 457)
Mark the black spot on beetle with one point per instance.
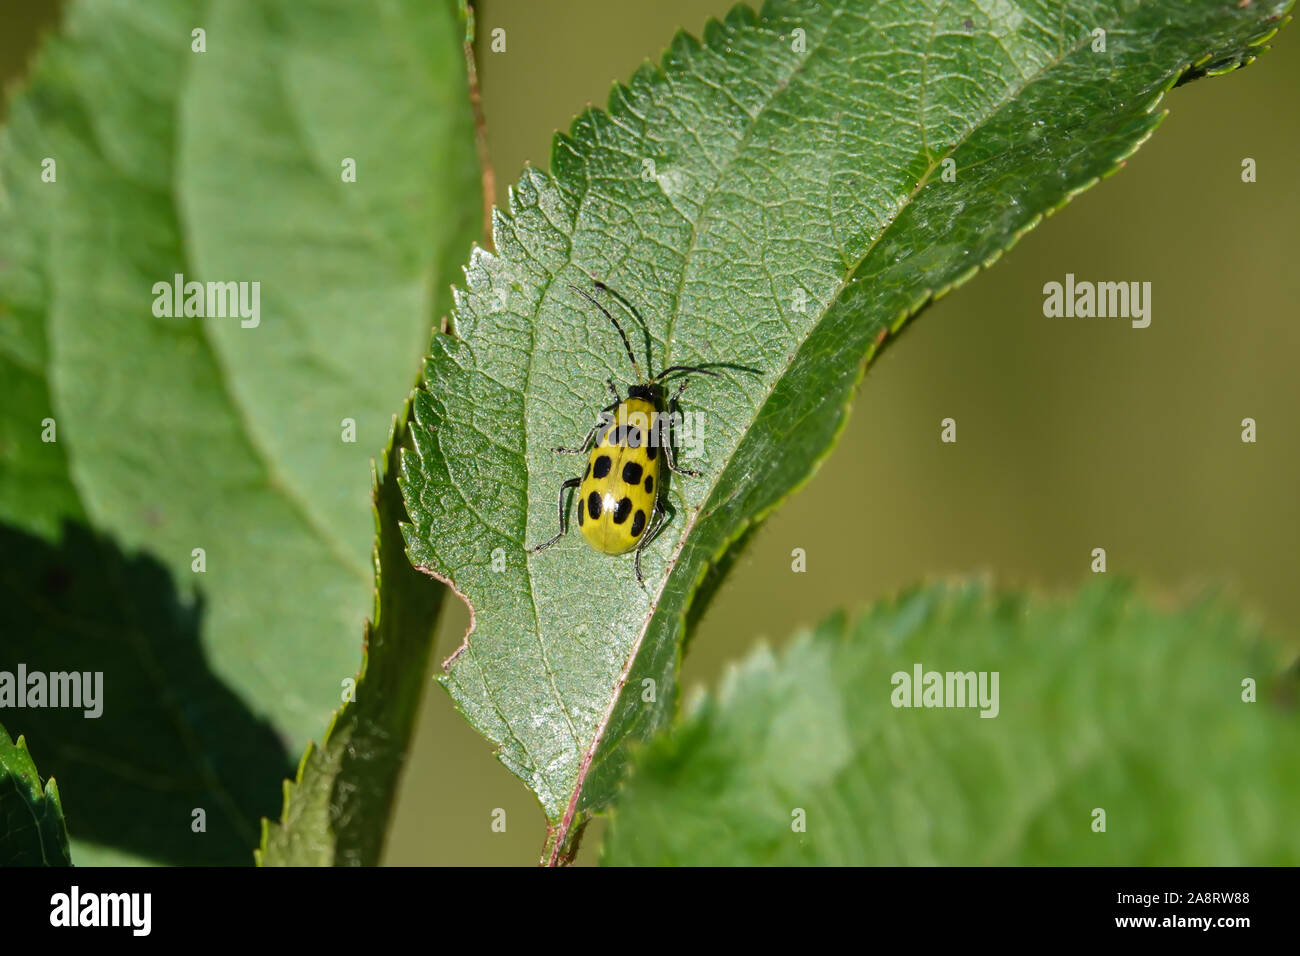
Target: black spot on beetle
point(633, 437)
point(622, 510)
point(638, 523)
point(616, 436)
point(649, 484)
point(602, 467)
point(593, 504)
point(632, 473)
point(652, 451)
point(582, 510)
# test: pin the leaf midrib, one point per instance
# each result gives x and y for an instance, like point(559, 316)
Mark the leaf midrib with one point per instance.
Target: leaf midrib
point(532, 582)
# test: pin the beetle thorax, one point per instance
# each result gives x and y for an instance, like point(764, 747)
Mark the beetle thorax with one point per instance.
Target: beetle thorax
point(634, 417)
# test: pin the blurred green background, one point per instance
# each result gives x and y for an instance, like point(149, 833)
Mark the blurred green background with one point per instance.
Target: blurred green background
point(1072, 433)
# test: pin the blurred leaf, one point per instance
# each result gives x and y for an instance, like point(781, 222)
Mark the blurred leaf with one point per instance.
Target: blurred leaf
point(32, 832)
point(165, 736)
point(182, 433)
point(1102, 702)
point(774, 196)
point(336, 812)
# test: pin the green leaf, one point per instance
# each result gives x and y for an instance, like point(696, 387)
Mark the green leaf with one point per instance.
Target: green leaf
point(336, 812)
point(767, 197)
point(1102, 702)
point(182, 433)
point(32, 832)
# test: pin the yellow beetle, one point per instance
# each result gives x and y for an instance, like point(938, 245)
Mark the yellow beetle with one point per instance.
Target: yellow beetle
point(620, 505)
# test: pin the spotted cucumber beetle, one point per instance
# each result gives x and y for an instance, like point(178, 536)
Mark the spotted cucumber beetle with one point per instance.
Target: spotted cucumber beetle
point(621, 494)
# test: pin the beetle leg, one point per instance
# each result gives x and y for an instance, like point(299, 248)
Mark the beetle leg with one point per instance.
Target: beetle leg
point(670, 457)
point(581, 449)
point(564, 524)
point(656, 520)
point(586, 442)
point(671, 460)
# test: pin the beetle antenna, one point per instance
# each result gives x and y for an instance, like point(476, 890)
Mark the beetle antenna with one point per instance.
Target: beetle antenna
point(621, 334)
point(685, 370)
point(705, 369)
point(623, 304)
